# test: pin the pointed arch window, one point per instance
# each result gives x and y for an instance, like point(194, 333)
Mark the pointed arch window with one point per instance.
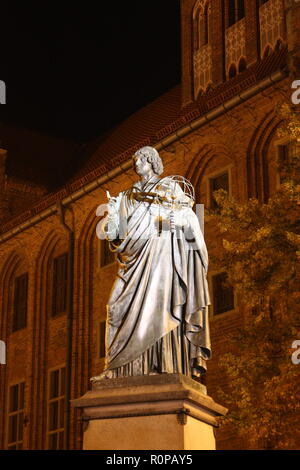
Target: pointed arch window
point(242, 65)
point(196, 30)
point(232, 71)
point(204, 26)
point(202, 53)
point(201, 26)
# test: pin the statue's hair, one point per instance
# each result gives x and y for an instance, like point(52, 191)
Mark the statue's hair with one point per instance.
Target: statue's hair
point(153, 157)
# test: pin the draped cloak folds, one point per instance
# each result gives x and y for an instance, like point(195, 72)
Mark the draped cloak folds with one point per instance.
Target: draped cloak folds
point(157, 314)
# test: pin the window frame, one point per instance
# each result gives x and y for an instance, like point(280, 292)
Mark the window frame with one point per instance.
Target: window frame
point(213, 314)
point(201, 26)
point(54, 298)
point(215, 174)
point(60, 398)
point(20, 413)
point(17, 325)
point(279, 143)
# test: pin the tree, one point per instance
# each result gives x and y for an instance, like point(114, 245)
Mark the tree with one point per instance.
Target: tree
point(261, 250)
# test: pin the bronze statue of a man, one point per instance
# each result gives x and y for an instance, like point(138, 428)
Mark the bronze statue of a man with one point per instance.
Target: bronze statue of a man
point(157, 314)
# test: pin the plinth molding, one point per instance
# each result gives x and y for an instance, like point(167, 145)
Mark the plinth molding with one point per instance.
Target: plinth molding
point(127, 413)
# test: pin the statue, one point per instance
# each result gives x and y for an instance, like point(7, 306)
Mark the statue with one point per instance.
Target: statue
point(157, 314)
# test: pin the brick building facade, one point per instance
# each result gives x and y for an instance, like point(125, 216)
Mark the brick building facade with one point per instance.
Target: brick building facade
point(218, 129)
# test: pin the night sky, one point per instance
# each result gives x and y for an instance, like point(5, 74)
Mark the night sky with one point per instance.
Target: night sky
point(74, 70)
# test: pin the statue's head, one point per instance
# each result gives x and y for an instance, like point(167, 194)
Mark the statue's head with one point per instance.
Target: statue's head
point(151, 155)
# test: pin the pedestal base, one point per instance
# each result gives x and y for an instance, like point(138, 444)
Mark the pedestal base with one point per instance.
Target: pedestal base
point(156, 412)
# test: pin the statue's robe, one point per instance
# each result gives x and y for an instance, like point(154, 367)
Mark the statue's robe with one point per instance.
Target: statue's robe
point(157, 314)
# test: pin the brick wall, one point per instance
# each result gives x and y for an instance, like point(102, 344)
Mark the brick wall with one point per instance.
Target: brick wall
point(243, 140)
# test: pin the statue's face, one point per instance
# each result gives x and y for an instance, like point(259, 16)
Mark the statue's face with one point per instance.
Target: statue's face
point(142, 166)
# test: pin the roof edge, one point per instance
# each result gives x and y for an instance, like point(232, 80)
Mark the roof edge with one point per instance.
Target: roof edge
point(121, 163)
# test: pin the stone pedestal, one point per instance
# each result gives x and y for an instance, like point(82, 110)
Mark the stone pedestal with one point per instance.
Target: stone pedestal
point(157, 412)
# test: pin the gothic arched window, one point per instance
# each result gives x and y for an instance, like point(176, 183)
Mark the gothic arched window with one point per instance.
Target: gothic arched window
point(196, 30)
point(232, 71)
point(242, 65)
point(201, 26)
point(204, 26)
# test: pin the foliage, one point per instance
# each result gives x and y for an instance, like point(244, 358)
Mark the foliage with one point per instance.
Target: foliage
point(260, 254)
point(290, 127)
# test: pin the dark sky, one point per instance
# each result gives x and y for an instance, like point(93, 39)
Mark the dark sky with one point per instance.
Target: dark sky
point(76, 69)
